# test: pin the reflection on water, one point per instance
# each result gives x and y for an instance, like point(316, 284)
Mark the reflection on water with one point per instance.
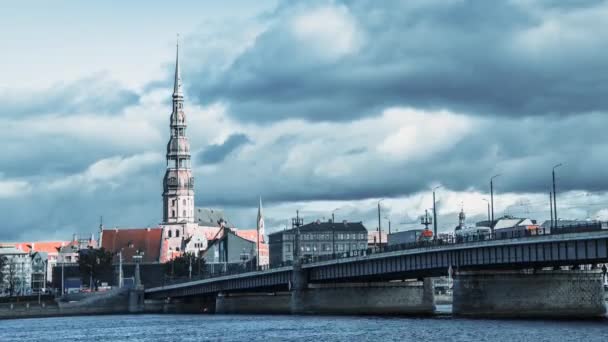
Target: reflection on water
point(186, 328)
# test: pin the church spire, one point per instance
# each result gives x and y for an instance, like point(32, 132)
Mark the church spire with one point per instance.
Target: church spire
point(178, 183)
point(177, 85)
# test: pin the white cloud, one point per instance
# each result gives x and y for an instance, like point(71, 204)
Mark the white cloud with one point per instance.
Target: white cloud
point(108, 172)
point(331, 31)
point(14, 188)
point(417, 134)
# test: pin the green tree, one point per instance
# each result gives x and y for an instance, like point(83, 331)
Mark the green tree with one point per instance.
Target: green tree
point(93, 263)
point(180, 266)
point(2, 263)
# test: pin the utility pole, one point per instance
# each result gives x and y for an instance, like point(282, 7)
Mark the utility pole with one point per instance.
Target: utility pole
point(435, 213)
point(555, 194)
point(551, 207)
point(62, 275)
point(488, 203)
point(120, 281)
point(379, 225)
point(492, 200)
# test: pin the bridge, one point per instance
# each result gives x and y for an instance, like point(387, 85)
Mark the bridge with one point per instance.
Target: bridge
point(496, 277)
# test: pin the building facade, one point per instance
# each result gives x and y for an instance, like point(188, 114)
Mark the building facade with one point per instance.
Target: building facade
point(230, 249)
point(316, 239)
point(16, 271)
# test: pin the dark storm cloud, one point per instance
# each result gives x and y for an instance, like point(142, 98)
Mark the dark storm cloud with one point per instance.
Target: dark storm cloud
point(217, 153)
point(463, 55)
point(94, 94)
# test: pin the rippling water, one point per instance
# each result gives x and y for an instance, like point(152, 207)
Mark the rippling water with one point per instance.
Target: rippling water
point(302, 328)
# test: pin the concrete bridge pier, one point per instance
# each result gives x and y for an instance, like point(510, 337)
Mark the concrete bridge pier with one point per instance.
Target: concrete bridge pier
point(136, 300)
point(529, 294)
point(298, 288)
point(253, 303)
point(376, 298)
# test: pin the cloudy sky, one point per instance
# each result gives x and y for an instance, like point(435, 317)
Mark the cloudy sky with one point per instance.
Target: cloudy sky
point(314, 105)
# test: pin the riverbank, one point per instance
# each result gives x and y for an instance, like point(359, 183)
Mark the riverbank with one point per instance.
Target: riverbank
point(116, 301)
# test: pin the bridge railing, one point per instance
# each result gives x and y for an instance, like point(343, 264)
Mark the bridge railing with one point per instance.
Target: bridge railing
point(450, 240)
point(219, 270)
point(443, 240)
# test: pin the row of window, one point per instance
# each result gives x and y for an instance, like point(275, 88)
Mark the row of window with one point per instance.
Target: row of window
point(170, 234)
point(328, 236)
point(173, 213)
point(326, 247)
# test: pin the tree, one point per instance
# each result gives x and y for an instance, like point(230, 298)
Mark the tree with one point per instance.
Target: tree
point(180, 266)
point(11, 276)
point(2, 263)
point(93, 264)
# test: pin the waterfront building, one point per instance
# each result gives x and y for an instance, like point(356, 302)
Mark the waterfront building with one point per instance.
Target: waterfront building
point(229, 250)
point(16, 271)
point(316, 239)
point(50, 248)
point(39, 271)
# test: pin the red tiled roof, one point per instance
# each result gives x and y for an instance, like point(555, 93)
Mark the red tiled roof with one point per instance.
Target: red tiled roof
point(249, 234)
point(42, 246)
point(132, 240)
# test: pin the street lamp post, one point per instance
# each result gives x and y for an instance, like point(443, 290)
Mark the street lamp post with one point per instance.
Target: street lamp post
point(555, 194)
point(388, 218)
point(333, 217)
point(435, 213)
point(379, 224)
point(488, 203)
point(333, 232)
point(492, 200)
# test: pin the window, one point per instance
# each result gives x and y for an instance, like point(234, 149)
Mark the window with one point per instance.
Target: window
point(177, 249)
point(340, 247)
point(169, 233)
point(326, 247)
point(340, 236)
point(354, 246)
point(173, 202)
point(184, 202)
point(314, 248)
point(288, 247)
point(177, 233)
point(172, 213)
point(184, 213)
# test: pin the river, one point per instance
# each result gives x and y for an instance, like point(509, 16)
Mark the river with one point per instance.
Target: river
point(183, 328)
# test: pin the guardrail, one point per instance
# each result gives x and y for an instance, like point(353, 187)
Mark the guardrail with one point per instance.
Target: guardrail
point(446, 240)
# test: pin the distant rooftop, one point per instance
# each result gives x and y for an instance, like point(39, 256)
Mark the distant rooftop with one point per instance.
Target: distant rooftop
point(327, 226)
point(210, 217)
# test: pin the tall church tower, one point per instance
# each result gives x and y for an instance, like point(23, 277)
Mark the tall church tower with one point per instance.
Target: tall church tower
point(178, 184)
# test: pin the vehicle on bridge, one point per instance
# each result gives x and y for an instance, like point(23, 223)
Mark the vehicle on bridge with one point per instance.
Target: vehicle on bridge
point(470, 234)
point(581, 227)
point(517, 231)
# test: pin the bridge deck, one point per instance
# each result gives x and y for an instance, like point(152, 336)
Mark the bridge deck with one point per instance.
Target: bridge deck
point(542, 250)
